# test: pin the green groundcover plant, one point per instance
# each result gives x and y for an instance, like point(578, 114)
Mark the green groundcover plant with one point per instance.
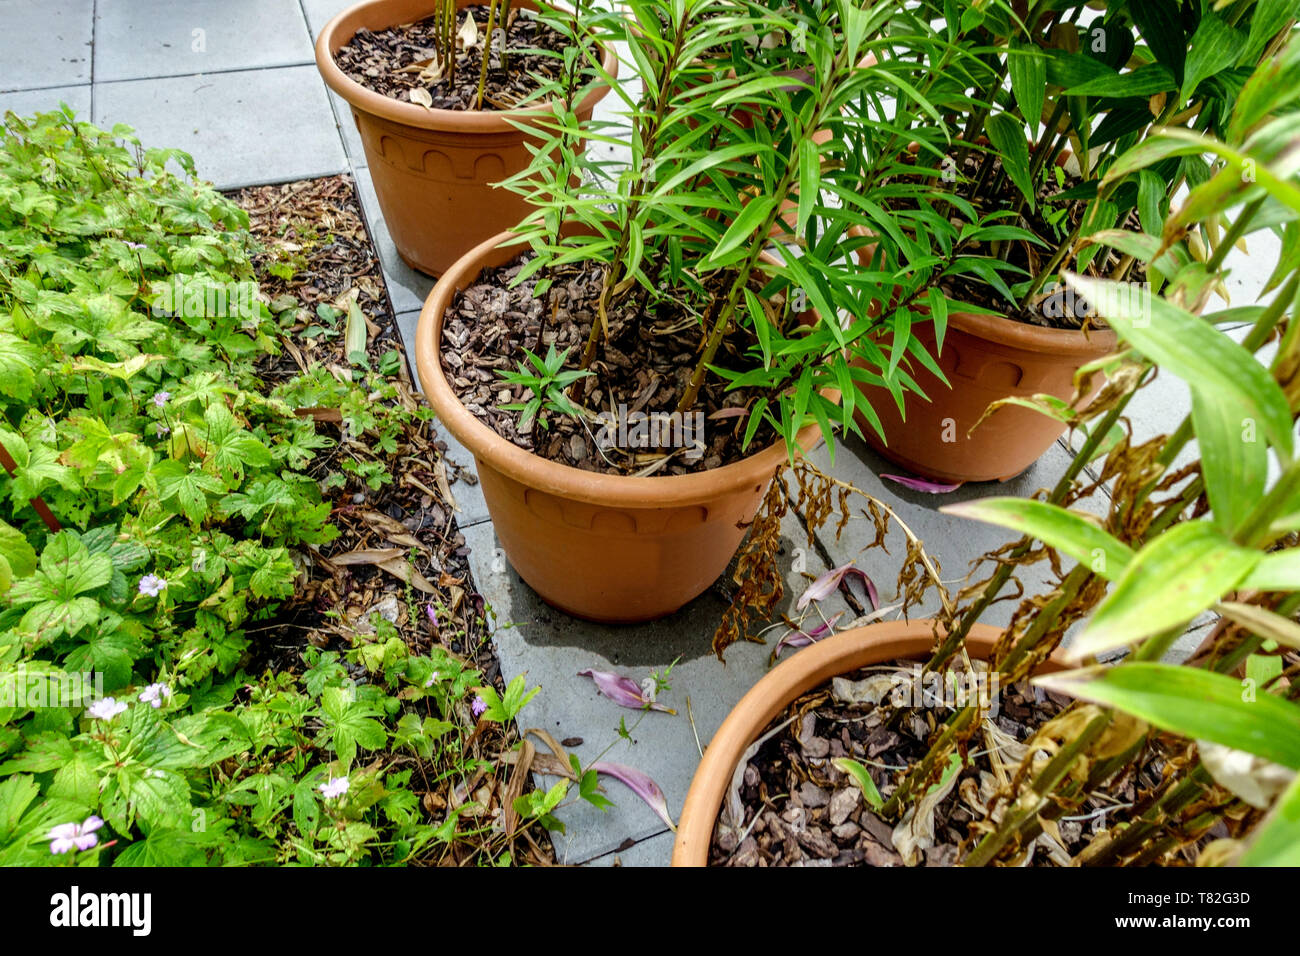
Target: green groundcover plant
point(136, 724)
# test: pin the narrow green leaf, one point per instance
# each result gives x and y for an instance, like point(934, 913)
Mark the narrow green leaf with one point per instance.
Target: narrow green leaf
point(1067, 531)
point(1195, 351)
point(752, 215)
point(1196, 703)
point(1234, 461)
point(862, 778)
point(1007, 134)
point(1028, 70)
point(1166, 584)
point(810, 174)
point(1277, 840)
point(1279, 571)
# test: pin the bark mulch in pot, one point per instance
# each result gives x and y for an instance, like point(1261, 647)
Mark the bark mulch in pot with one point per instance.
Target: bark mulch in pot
point(401, 62)
point(800, 809)
point(644, 365)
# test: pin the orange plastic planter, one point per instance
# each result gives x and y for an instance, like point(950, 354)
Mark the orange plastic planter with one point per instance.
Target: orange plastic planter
point(603, 547)
point(809, 668)
point(433, 169)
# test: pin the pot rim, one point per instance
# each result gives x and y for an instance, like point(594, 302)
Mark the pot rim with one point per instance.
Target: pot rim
point(412, 114)
point(808, 668)
point(525, 467)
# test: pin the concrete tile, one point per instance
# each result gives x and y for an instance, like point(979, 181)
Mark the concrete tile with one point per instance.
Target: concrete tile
point(406, 325)
point(45, 43)
point(550, 647)
point(652, 851)
point(136, 39)
point(320, 12)
point(27, 102)
point(953, 542)
point(243, 128)
point(407, 288)
point(347, 129)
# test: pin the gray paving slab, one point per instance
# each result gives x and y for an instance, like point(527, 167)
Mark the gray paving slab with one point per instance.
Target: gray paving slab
point(406, 325)
point(550, 648)
point(27, 102)
point(243, 128)
point(953, 542)
point(347, 127)
point(320, 12)
point(137, 39)
point(652, 851)
point(45, 43)
point(407, 288)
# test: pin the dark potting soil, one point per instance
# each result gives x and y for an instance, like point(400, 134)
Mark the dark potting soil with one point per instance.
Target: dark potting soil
point(644, 365)
point(402, 63)
point(799, 809)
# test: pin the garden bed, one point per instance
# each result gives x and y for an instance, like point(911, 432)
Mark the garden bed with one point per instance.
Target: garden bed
point(399, 555)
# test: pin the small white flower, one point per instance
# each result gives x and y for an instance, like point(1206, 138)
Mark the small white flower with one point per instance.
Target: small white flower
point(105, 709)
point(80, 835)
point(432, 679)
point(335, 787)
point(153, 695)
point(152, 585)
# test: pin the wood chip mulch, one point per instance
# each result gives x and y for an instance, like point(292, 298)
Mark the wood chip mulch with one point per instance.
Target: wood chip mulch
point(800, 809)
point(644, 364)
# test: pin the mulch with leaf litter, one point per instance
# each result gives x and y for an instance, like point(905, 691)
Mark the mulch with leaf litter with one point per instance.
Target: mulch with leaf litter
point(643, 364)
point(399, 552)
point(792, 805)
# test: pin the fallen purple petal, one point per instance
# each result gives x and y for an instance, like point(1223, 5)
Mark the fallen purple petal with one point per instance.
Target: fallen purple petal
point(920, 484)
point(804, 638)
point(623, 691)
point(734, 411)
point(872, 594)
point(640, 784)
point(825, 586)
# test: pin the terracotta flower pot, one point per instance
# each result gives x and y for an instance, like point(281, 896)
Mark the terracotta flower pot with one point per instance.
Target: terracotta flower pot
point(433, 169)
point(603, 547)
point(809, 668)
point(986, 358)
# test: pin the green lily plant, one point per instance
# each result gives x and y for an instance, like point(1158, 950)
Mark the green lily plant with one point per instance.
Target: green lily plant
point(1044, 96)
point(746, 138)
point(1218, 536)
